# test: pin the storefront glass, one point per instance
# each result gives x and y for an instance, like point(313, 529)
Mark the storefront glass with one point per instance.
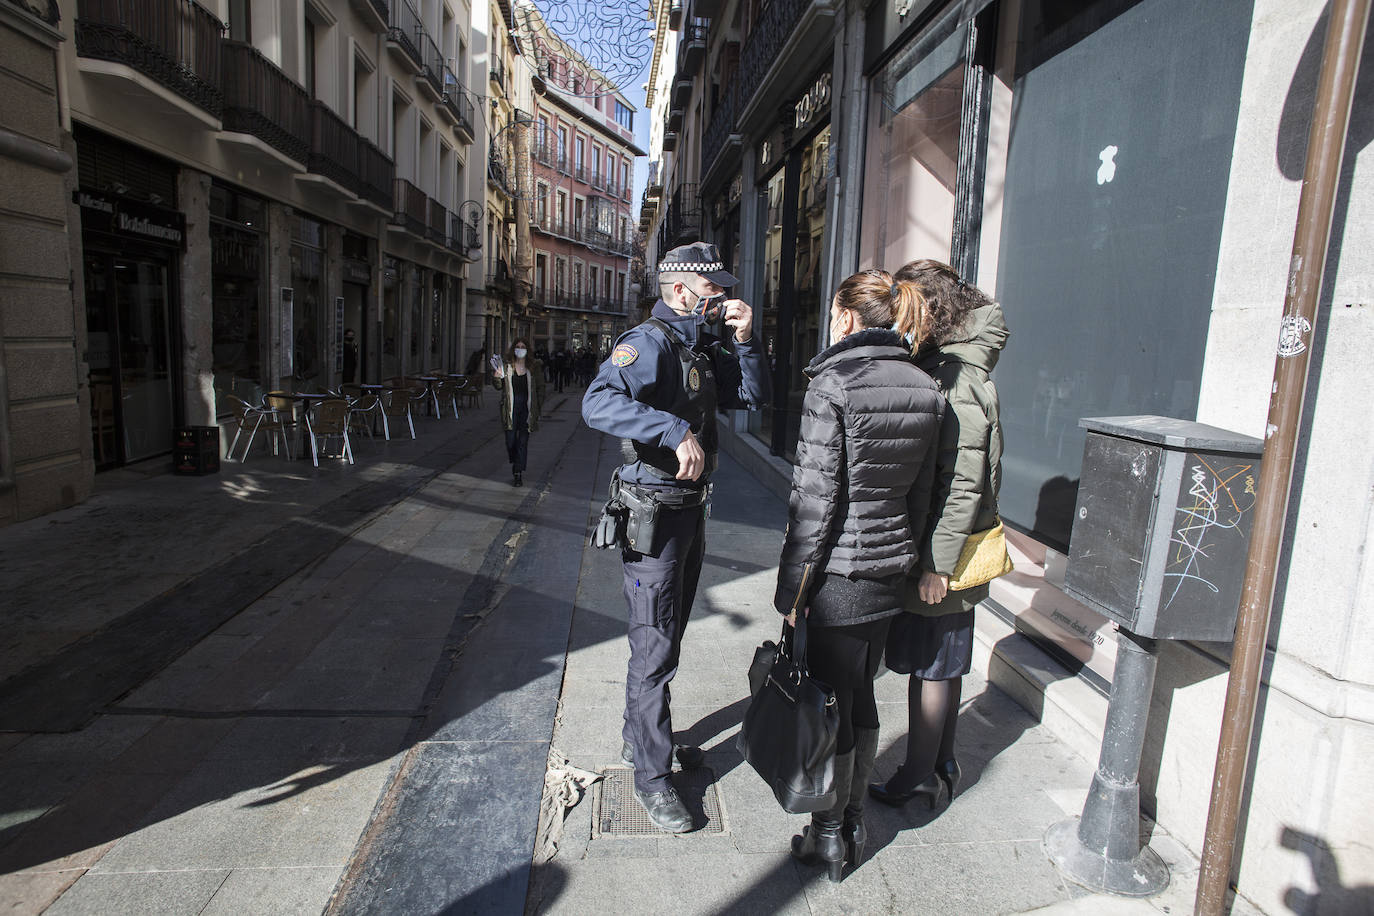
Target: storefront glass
point(913, 156)
point(391, 318)
point(1111, 228)
point(236, 260)
point(416, 295)
point(308, 327)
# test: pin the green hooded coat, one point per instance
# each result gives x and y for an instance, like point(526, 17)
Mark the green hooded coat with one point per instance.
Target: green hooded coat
point(968, 463)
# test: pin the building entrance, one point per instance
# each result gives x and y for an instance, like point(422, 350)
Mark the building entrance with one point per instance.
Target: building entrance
point(128, 322)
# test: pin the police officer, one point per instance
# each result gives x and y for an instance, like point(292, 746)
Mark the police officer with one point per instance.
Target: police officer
point(659, 392)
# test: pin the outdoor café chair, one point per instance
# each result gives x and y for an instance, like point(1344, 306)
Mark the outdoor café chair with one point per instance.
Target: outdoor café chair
point(396, 404)
point(250, 418)
point(363, 413)
point(446, 392)
point(470, 390)
point(326, 420)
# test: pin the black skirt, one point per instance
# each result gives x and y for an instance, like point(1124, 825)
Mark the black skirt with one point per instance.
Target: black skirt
point(932, 648)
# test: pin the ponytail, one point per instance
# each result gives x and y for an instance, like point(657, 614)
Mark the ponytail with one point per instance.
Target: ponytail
point(909, 313)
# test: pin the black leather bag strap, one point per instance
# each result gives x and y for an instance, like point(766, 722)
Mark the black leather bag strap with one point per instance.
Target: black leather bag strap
point(797, 644)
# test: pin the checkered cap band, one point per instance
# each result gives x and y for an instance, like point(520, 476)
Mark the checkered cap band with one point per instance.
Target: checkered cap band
point(690, 267)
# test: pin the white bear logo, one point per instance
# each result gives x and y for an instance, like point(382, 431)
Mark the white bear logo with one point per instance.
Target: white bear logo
point(1107, 170)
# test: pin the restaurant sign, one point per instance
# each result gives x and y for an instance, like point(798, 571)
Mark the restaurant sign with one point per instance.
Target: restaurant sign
point(131, 219)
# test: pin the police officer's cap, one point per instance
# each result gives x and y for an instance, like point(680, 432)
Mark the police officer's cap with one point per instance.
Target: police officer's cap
point(701, 258)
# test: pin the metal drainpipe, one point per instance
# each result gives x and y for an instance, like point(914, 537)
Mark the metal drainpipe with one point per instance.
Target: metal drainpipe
point(1325, 148)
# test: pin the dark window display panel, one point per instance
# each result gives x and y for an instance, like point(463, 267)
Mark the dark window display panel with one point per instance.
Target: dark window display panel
point(1124, 122)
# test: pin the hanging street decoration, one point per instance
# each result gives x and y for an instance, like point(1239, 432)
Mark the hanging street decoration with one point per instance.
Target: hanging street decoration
point(586, 48)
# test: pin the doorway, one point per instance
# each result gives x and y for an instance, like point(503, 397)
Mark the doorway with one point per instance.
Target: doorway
point(132, 377)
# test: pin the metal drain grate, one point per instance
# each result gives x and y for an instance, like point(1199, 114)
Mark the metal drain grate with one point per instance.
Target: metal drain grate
point(618, 812)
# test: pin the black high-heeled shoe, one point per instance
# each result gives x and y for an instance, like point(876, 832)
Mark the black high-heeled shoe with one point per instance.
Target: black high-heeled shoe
point(949, 773)
point(855, 836)
point(932, 789)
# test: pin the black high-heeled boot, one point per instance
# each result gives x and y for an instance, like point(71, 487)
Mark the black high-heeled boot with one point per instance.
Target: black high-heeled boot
point(822, 842)
point(854, 832)
point(892, 792)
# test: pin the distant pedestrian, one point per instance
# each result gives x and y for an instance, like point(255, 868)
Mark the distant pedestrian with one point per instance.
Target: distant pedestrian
point(862, 480)
point(350, 357)
point(958, 345)
point(521, 380)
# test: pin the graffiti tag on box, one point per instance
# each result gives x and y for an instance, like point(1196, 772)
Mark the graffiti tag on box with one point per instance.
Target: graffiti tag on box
point(1221, 497)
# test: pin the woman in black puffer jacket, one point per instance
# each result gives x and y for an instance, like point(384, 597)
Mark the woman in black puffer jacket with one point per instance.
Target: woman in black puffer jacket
point(859, 494)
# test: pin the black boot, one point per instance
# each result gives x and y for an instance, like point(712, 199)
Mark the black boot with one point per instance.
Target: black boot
point(822, 842)
point(949, 773)
point(855, 833)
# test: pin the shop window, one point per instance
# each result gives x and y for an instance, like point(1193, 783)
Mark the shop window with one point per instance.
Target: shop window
point(308, 314)
point(236, 283)
point(1111, 229)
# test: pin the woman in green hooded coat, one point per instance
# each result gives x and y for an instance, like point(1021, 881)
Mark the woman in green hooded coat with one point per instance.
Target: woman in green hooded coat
point(960, 336)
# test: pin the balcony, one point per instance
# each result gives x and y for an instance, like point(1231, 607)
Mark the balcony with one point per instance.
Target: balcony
point(787, 30)
point(374, 13)
point(402, 36)
point(674, 14)
point(347, 161)
point(262, 102)
point(498, 175)
point(457, 105)
point(498, 73)
point(411, 211)
point(669, 141)
point(673, 121)
point(722, 142)
point(597, 180)
point(654, 186)
point(431, 77)
point(681, 221)
point(436, 225)
point(462, 238)
point(692, 49)
point(682, 91)
point(171, 45)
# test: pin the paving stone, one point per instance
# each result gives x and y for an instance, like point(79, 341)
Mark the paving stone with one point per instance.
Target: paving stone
point(279, 891)
point(34, 891)
point(145, 894)
point(232, 814)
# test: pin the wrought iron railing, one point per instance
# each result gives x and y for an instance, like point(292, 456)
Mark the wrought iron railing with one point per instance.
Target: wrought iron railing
point(692, 47)
point(436, 229)
point(498, 71)
point(381, 8)
point(376, 175)
point(721, 127)
point(404, 29)
point(261, 100)
point(175, 43)
point(344, 156)
point(411, 207)
point(462, 237)
point(765, 41)
point(456, 100)
point(432, 60)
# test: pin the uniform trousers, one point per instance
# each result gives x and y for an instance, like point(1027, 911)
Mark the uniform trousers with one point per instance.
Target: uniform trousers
point(659, 589)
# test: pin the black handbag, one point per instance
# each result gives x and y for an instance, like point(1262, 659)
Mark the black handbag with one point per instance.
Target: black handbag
point(792, 725)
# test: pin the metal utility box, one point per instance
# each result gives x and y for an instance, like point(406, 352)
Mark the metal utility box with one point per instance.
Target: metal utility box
point(1162, 525)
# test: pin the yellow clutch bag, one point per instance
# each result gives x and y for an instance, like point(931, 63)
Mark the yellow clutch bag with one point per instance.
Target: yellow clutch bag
point(983, 559)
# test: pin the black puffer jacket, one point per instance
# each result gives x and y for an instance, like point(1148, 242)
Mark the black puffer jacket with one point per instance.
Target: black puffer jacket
point(865, 464)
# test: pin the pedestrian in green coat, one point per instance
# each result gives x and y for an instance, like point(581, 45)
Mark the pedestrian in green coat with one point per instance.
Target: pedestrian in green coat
point(957, 342)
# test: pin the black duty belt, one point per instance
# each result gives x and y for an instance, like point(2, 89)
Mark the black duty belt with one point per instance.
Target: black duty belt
point(672, 499)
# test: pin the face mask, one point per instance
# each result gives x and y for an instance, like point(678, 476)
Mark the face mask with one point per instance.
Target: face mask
point(520, 352)
point(708, 308)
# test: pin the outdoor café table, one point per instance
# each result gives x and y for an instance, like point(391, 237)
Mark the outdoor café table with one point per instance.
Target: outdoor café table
point(306, 399)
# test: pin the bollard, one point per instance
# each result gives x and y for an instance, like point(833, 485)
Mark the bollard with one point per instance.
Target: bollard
point(1101, 849)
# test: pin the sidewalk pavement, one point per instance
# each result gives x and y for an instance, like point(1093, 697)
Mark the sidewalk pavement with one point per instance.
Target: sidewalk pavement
point(286, 690)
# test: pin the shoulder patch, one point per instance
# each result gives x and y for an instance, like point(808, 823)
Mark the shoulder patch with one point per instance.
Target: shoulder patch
point(623, 355)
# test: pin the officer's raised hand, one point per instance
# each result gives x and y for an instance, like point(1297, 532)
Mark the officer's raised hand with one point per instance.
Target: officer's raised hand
point(691, 460)
point(739, 316)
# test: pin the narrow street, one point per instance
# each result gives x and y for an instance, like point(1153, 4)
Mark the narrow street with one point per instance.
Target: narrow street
point(347, 700)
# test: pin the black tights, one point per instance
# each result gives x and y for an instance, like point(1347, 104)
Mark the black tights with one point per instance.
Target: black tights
point(932, 714)
point(847, 659)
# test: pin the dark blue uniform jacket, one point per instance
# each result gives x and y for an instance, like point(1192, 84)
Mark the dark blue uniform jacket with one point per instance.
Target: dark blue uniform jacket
point(626, 400)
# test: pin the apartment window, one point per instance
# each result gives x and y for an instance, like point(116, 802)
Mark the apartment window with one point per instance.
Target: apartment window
point(577, 278)
point(578, 206)
point(624, 116)
point(591, 282)
point(562, 142)
point(624, 176)
point(308, 65)
point(620, 287)
point(596, 163)
point(240, 21)
point(541, 268)
point(607, 287)
point(581, 152)
point(541, 205)
point(560, 268)
point(562, 211)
